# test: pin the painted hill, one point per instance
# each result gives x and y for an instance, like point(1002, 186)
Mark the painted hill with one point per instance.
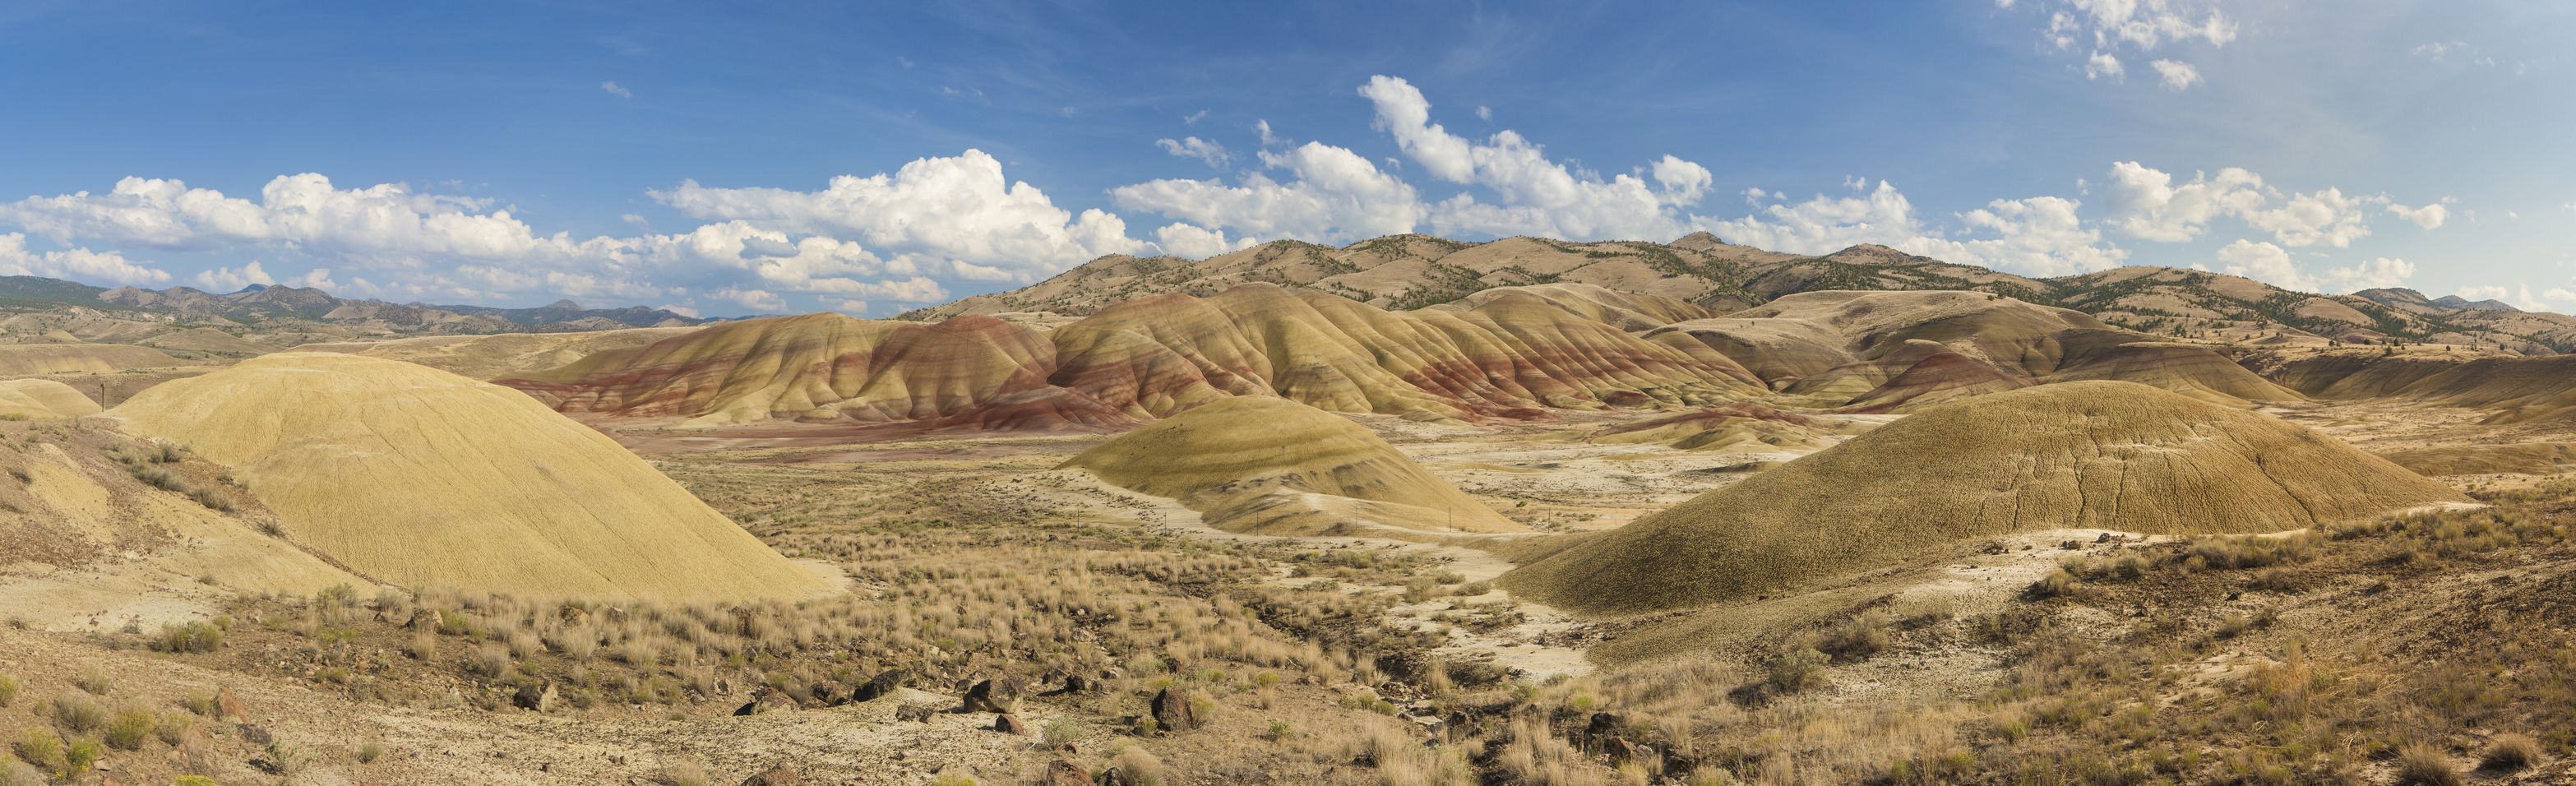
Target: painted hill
point(2513, 458)
point(1878, 351)
point(116, 547)
point(1738, 426)
point(498, 355)
point(2516, 389)
point(1403, 272)
point(2104, 455)
point(1267, 465)
point(1505, 358)
point(1513, 355)
point(27, 360)
point(423, 478)
point(1397, 272)
point(826, 367)
point(41, 399)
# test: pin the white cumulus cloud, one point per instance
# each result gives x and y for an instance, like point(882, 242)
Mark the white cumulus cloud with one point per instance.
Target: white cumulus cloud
point(1213, 154)
point(960, 207)
point(2429, 216)
point(2175, 74)
point(1333, 196)
point(74, 263)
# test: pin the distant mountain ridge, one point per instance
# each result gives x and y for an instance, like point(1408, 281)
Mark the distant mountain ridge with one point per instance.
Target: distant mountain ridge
point(258, 304)
point(1404, 272)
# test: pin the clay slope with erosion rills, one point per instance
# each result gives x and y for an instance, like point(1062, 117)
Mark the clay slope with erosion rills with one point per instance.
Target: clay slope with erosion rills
point(42, 399)
point(1744, 426)
point(2079, 455)
point(1270, 466)
point(501, 354)
point(1511, 356)
point(1506, 358)
point(1893, 351)
point(28, 360)
point(425, 479)
point(2517, 389)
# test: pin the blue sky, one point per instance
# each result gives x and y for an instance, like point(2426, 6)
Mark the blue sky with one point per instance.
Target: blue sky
point(672, 154)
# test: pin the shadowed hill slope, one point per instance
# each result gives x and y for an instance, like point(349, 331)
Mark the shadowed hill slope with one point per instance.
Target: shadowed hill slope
point(1266, 465)
point(427, 479)
point(2099, 455)
point(2518, 389)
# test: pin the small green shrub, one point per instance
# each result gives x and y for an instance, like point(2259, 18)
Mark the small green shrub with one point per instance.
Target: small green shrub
point(8, 690)
point(129, 730)
point(78, 714)
point(39, 746)
point(1797, 670)
point(193, 636)
point(78, 756)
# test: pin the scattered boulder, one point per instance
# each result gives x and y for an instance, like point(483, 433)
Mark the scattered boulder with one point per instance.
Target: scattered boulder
point(229, 707)
point(884, 684)
point(535, 696)
point(1065, 773)
point(767, 699)
point(1010, 724)
point(1001, 696)
point(829, 693)
point(779, 775)
point(917, 712)
point(1172, 711)
point(254, 734)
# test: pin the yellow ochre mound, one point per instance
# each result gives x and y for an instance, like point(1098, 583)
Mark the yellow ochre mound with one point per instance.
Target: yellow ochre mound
point(21, 360)
point(43, 398)
point(423, 478)
point(1267, 465)
point(2094, 455)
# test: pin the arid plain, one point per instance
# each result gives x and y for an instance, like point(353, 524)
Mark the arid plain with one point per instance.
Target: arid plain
point(1409, 511)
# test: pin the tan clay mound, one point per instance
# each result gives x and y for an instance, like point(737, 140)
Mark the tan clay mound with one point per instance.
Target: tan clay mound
point(1738, 426)
point(499, 355)
point(423, 478)
point(2519, 458)
point(2106, 455)
point(28, 360)
point(1266, 465)
point(1509, 357)
point(41, 399)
